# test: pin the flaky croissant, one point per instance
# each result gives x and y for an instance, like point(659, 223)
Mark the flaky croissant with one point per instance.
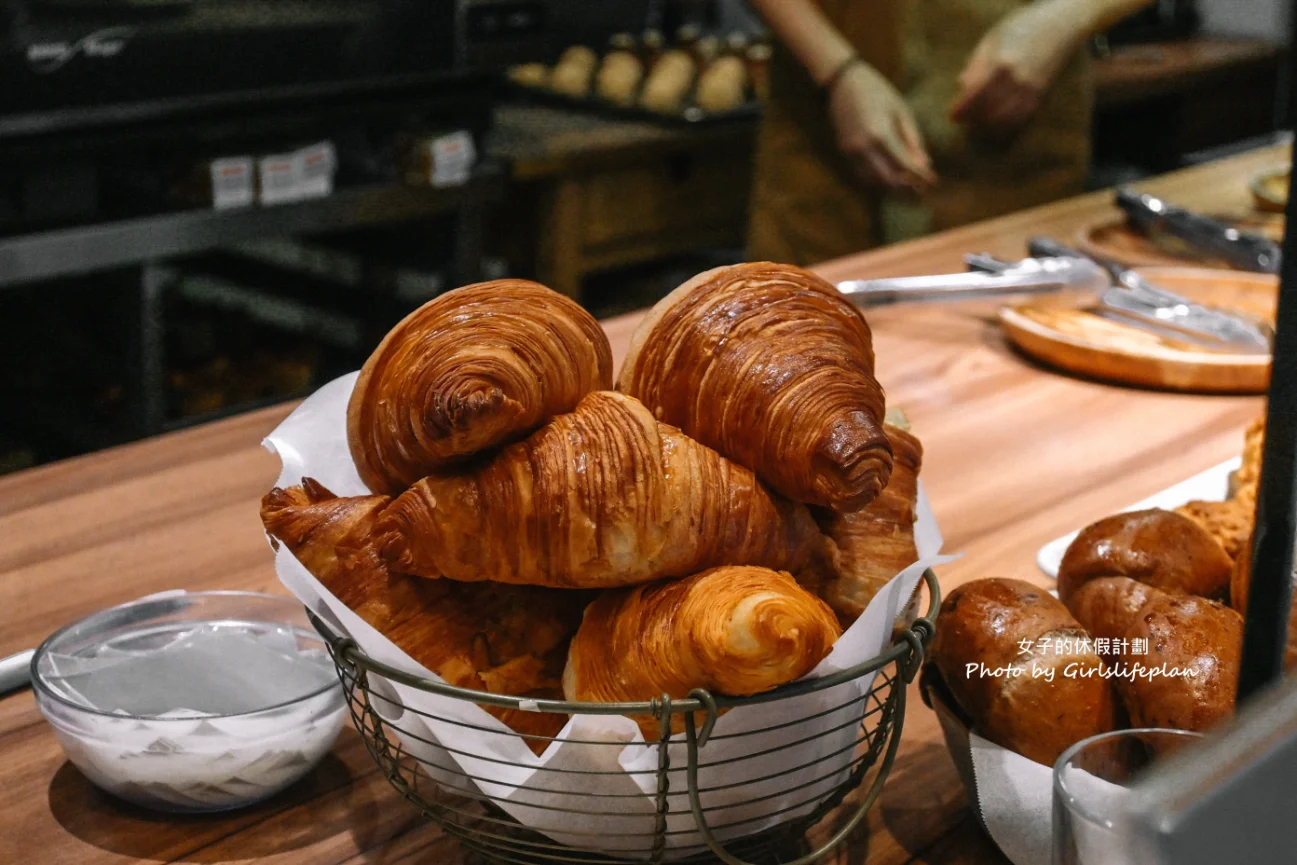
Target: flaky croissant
point(501, 639)
point(469, 370)
point(731, 630)
point(605, 496)
point(875, 543)
point(774, 368)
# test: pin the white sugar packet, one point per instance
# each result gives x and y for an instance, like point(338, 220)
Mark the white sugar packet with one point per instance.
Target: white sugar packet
point(752, 781)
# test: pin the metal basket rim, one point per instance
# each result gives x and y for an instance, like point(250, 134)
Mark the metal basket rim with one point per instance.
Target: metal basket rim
point(910, 641)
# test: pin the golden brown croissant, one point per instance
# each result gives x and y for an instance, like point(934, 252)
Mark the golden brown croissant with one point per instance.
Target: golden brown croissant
point(476, 367)
point(605, 496)
point(876, 543)
point(501, 639)
point(774, 368)
point(731, 630)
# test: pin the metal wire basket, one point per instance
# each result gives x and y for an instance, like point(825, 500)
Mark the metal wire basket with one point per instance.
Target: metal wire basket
point(826, 759)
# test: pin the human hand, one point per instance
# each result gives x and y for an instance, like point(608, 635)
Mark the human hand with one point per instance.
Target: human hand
point(877, 132)
point(1014, 64)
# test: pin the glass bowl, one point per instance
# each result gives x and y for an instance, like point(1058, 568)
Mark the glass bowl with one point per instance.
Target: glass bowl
point(191, 701)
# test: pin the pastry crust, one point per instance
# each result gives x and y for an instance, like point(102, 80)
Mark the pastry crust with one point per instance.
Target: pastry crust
point(605, 496)
point(731, 630)
point(484, 636)
point(876, 543)
point(772, 367)
point(474, 368)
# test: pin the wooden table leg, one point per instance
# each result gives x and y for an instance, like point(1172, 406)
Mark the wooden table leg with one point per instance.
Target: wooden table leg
point(558, 255)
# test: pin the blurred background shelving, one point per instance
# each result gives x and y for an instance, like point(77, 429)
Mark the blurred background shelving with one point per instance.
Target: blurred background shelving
point(130, 303)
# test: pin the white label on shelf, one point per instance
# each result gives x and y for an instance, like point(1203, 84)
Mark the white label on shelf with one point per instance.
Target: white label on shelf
point(452, 157)
point(302, 174)
point(315, 168)
point(232, 184)
point(278, 177)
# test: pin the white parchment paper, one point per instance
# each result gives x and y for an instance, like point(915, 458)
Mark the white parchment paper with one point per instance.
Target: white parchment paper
point(748, 770)
point(1015, 797)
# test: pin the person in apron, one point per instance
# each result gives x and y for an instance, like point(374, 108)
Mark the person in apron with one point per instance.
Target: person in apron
point(889, 119)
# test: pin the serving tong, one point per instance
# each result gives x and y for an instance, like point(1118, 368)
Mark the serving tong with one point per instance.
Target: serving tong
point(1067, 278)
point(1242, 249)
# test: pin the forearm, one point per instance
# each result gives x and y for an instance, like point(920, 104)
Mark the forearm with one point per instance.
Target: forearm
point(808, 34)
point(1096, 16)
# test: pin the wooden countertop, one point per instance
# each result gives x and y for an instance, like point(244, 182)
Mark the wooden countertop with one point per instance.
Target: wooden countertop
point(1015, 455)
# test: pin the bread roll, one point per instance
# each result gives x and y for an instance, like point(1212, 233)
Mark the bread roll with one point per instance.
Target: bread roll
point(1229, 522)
point(1163, 549)
point(574, 72)
point(619, 77)
point(1108, 606)
point(990, 652)
point(1193, 648)
point(530, 75)
point(668, 83)
point(723, 86)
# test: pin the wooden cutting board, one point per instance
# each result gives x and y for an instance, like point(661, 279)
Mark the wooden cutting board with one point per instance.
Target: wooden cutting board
point(1080, 342)
point(1113, 238)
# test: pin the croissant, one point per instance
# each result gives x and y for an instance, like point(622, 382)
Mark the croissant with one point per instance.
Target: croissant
point(731, 630)
point(476, 367)
point(500, 639)
point(876, 543)
point(1160, 548)
point(772, 367)
point(605, 496)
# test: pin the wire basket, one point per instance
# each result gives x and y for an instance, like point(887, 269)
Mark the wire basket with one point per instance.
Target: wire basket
point(424, 771)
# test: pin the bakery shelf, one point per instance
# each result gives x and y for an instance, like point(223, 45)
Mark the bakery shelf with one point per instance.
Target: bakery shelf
point(86, 249)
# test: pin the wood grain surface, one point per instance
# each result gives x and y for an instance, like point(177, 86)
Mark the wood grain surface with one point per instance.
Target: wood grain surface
point(1014, 455)
point(1108, 348)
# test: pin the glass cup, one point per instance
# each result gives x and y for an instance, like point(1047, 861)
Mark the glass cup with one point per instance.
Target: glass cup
point(1091, 790)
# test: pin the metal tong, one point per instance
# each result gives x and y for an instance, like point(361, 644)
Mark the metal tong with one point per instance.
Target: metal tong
point(1068, 278)
point(1241, 249)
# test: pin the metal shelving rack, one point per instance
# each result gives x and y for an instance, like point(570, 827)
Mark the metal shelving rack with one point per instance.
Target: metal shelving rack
point(148, 242)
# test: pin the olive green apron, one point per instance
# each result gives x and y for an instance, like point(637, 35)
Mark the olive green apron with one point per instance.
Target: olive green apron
point(807, 205)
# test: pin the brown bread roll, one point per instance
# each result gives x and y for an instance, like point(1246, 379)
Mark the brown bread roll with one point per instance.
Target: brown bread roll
point(619, 78)
point(1163, 549)
point(1183, 633)
point(574, 71)
point(530, 74)
point(668, 83)
point(1108, 606)
point(723, 86)
point(979, 650)
point(1229, 522)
